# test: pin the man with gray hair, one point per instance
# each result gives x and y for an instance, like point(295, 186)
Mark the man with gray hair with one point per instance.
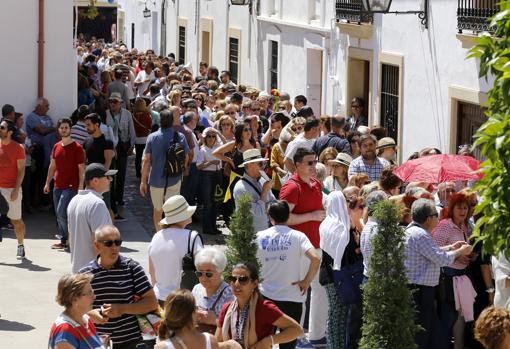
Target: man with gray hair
point(370, 229)
point(190, 180)
point(424, 258)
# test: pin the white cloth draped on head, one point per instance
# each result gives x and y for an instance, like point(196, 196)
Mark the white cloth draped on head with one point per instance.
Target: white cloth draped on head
point(334, 230)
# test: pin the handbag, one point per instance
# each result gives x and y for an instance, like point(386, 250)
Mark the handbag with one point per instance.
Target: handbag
point(188, 277)
point(348, 282)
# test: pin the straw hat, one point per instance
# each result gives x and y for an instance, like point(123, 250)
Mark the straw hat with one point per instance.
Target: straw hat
point(251, 156)
point(343, 159)
point(176, 210)
point(386, 142)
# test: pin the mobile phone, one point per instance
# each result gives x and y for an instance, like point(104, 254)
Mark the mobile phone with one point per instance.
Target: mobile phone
point(265, 176)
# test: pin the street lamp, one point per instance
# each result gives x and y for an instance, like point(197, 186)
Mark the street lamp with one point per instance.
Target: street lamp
point(243, 3)
point(146, 12)
point(383, 6)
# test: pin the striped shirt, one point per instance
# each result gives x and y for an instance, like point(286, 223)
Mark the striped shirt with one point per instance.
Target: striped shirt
point(66, 330)
point(79, 132)
point(119, 285)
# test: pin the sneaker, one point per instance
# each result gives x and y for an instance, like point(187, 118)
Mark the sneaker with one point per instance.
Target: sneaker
point(303, 343)
point(21, 252)
point(119, 218)
point(59, 246)
point(319, 343)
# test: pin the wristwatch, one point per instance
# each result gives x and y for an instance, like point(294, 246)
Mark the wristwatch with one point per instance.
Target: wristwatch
point(490, 290)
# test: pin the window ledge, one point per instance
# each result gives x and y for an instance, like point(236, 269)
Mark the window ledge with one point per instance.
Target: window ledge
point(467, 40)
point(362, 31)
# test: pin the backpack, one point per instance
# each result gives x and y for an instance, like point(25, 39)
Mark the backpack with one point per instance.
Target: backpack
point(175, 155)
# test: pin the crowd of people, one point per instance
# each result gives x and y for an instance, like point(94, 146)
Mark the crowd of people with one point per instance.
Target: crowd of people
point(203, 140)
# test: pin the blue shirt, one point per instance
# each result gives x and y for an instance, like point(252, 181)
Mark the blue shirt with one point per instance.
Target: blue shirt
point(424, 258)
point(214, 303)
point(34, 120)
point(157, 145)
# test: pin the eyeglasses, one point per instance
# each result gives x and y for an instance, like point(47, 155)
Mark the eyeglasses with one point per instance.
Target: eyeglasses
point(109, 243)
point(207, 274)
point(297, 128)
point(247, 129)
point(243, 280)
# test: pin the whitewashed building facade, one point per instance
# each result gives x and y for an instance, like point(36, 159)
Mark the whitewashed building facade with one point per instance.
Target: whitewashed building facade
point(416, 80)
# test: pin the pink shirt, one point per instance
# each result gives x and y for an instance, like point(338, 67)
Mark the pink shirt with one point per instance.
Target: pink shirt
point(447, 233)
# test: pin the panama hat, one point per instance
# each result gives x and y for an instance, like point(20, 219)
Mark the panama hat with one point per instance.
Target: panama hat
point(177, 209)
point(343, 159)
point(386, 142)
point(251, 156)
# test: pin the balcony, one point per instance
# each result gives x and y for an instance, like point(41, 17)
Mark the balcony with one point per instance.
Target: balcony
point(351, 11)
point(473, 15)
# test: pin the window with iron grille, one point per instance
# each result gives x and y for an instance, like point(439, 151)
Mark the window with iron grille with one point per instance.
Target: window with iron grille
point(233, 58)
point(182, 44)
point(390, 86)
point(273, 67)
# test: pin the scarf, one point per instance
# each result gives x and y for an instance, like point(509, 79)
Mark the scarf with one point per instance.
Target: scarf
point(334, 230)
point(229, 324)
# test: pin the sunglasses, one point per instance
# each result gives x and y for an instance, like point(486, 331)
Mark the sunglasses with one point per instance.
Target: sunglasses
point(3, 128)
point(311, 162)
point(243, 280)
point(247, 129)
point(231, 113)
point(210, 136)
point(207, 274)
point(257, 109)
point(355, 106)
point(113, 102)
point(109, 243)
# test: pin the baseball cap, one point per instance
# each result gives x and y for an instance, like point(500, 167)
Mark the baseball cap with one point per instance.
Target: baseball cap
point(7, 109)
point(97, 170)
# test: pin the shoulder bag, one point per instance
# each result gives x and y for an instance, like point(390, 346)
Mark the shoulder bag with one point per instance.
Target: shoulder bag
point(188, 277)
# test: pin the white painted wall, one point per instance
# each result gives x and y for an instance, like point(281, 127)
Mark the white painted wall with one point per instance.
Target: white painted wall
point(18, 40)
point(433, 59)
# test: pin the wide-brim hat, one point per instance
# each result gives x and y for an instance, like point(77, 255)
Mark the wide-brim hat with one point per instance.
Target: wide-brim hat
point(386, 142)
point(115, 96)
point(343, 159)
point(176, 210)
point(252, 155)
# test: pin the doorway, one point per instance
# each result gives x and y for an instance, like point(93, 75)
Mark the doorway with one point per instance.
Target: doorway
point(470, 117)
point(314, 80)
point(206, 47)
point(358, 82)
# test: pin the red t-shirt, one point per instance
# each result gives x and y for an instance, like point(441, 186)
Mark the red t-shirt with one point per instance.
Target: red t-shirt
point(306, 198)
point(265, 315)
point(9, 156)
point(67, 158)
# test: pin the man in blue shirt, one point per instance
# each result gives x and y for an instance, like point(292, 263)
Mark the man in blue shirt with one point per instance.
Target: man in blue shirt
point(153, 166)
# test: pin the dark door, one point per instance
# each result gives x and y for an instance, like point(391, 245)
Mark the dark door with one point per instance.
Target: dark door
point(470, 117)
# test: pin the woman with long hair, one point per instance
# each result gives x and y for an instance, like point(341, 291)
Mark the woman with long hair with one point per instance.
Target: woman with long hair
point(250, 320)
point(339, 166)
point(177, 329)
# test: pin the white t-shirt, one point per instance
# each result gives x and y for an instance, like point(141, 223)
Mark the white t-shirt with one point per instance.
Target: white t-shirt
point(166, 250)
point(143, 76)
point(299, 142)
point(281, 251)
point(205, 155)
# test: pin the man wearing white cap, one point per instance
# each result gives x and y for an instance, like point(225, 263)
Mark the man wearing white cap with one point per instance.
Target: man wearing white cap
point(259, 188)
point(387, 149)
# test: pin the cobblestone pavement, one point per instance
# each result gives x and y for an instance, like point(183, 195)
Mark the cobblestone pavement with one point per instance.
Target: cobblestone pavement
point(141, 208)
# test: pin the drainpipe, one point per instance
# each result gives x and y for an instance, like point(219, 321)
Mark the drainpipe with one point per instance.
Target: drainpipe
point(163, 28)
point(40, 52)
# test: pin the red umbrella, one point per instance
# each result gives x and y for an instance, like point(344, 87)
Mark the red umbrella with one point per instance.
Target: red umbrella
point(439, 168)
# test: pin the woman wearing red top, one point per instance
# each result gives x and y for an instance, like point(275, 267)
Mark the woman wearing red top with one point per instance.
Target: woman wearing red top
point(250, 321)
point(453, 228)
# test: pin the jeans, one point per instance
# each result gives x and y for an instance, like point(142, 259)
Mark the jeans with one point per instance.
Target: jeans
point(61, 199)
point(120, 177)
point(208, 184)
point(139, 148)
point(426, 316)
point(189, 185)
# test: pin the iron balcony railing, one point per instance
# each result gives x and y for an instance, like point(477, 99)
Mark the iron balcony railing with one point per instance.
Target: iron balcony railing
point(473, 15)
point(352, 11)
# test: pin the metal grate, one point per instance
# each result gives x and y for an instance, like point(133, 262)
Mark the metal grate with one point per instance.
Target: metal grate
point(390, 99)
point(274, 64)
point(233, 59)
point(352, 11)
point(182, 45)
point(474, 15)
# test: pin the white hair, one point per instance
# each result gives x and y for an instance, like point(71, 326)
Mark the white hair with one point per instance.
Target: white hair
point(103, 230)
point(40, 101)
point(212, 255)
point(321, 171)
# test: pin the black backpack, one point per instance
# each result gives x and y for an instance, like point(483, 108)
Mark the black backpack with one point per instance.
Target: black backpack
point(175, 156)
